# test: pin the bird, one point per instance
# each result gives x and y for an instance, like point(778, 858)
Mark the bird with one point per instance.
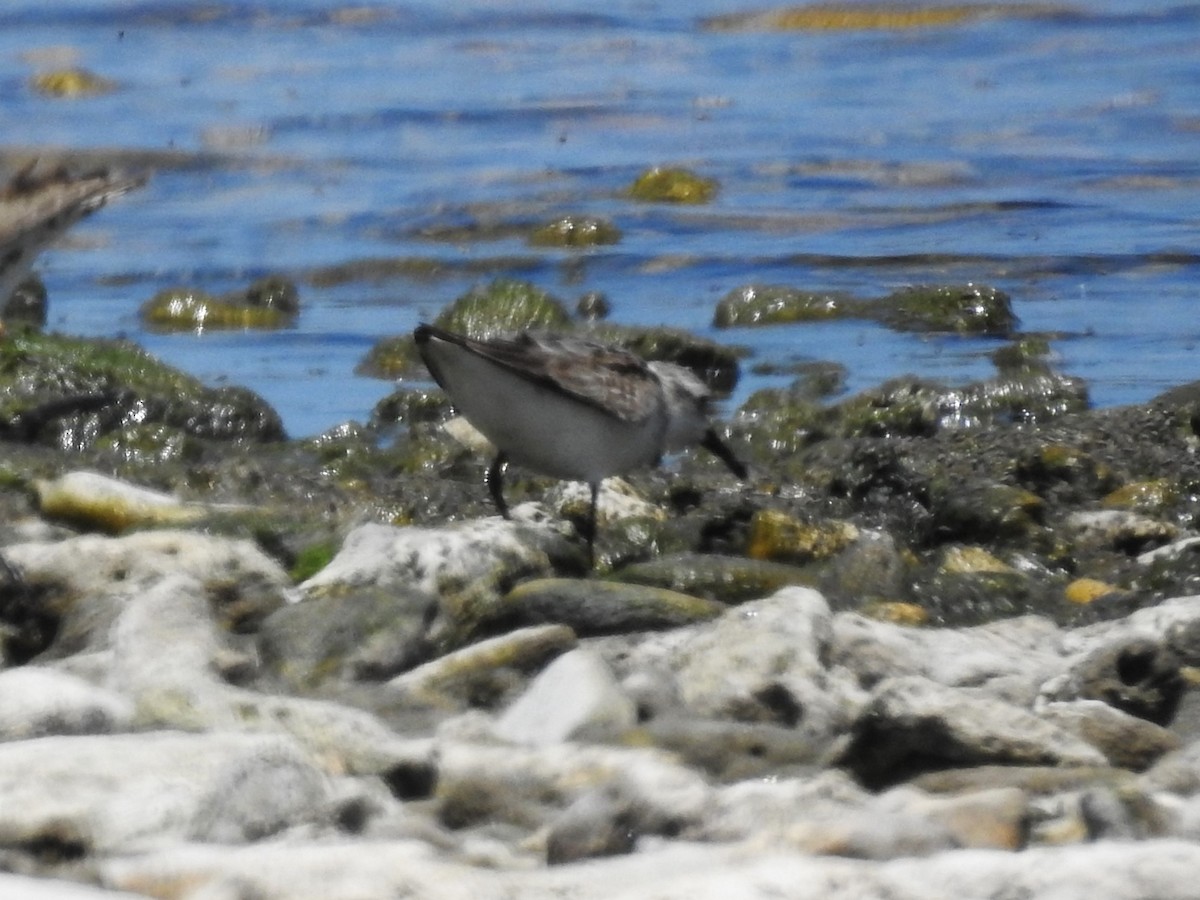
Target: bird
point(38, 207)
point(570, 408)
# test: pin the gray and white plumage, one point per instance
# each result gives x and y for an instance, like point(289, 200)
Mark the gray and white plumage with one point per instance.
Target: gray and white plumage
point(568, 407)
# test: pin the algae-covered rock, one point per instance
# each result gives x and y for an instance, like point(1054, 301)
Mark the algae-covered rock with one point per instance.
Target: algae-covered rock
point(390, 358)
point(726, 579)
point(72, 83)
point(269, 303)
point(575, 231)
point(97, 502)
point(363, 634)
point(71, 392)
point(26, 305)
point(957, 309)
point(777, 536)
point(481, 673)
point(598, 607)
point(502, 307)
point(779, 305)
point(659, 185)
point(411, 406)
point(1149, 497)
point(985, 510)
point(1027, 353)
point(913, 406)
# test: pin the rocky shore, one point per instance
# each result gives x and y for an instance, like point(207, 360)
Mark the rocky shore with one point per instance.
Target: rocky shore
point(943, 643)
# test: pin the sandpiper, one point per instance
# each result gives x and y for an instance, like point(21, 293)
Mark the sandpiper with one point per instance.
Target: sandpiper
point(36, 208)
point(570, 408)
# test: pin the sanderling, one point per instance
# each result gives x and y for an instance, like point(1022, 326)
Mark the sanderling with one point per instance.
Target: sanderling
point(570, 408)
point(36, 208)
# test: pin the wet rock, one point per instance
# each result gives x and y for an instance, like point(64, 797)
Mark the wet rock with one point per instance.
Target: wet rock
point(778, 305)
point(269, 303)
point(69, 393)
point(575, 698)
point(960, 309)
point(912, 725)
point(777, 536)
point(274, 292)
point(575, 231)
point(672, 185)
point(1119, 530)
point(503, 307)
point(910, 406)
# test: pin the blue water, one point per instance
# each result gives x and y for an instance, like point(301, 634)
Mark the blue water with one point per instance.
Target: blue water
point(1056, 156)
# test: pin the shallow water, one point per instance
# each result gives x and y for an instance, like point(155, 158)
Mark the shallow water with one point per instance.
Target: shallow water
point(1054, 153)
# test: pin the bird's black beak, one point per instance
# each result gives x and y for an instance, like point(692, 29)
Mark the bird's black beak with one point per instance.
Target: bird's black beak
point(717, 448)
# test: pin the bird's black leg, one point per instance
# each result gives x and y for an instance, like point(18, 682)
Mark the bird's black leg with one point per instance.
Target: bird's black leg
point(716, 446)
point(591, 526)
point(494, 479)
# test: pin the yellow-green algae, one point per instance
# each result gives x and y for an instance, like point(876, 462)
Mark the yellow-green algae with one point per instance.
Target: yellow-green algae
point(672, 185)
point(871, 17)
point(72, 83)
point(775, 535)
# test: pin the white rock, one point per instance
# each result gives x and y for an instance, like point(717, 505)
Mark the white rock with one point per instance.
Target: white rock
point(765, 661)
point(93, 564)
point(117, 793)
point(434, 560)
point(166, 654)
point(575, 697)
point(36, 701)
point(19, 887)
